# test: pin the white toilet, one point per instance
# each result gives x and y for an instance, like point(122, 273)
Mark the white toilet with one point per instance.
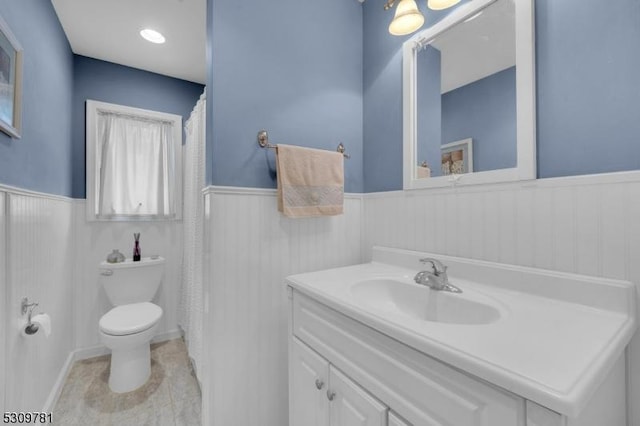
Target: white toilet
point(127, 329)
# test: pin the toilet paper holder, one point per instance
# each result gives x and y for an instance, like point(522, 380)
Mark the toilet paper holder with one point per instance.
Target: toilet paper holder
point(26, 307)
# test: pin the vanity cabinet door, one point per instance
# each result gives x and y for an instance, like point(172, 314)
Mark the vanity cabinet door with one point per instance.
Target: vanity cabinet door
point(309, 381)
point(424, 391)
point(351, 405)
point(394, 420)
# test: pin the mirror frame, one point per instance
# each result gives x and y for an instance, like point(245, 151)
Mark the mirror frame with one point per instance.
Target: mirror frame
point(525, 100)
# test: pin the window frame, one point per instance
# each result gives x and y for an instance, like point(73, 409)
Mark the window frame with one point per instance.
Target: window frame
point(93, 109)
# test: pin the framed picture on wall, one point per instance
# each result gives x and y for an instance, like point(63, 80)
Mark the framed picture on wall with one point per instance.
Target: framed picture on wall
point(10, 82)
point(457, 157)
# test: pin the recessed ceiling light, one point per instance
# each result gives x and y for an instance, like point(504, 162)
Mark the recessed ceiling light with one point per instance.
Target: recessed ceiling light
point(152, 36)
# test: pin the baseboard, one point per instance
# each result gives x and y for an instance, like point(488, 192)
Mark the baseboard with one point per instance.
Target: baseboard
point(57, 386)
point(90, 352)
point(169, 335)
point(86, 353)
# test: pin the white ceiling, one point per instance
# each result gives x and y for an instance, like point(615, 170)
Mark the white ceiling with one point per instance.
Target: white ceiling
point(109, 30)
point(478, 48)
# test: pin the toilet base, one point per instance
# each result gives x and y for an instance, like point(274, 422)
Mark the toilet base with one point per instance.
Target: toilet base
point(130, 368)
point(130, 359)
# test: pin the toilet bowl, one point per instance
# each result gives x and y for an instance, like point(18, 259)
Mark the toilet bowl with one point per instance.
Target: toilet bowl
point(127, 329)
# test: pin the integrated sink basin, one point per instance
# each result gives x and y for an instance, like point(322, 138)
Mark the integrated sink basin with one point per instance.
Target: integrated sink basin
point(553, 338)
point(422, 303)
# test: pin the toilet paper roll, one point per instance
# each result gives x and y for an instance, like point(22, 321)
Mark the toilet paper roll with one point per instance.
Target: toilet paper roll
point(44, 324)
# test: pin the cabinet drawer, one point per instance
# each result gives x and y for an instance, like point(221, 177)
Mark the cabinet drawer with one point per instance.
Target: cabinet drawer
point(421, 389)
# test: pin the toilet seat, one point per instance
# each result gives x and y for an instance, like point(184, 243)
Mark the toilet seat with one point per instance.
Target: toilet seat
point(130, 319)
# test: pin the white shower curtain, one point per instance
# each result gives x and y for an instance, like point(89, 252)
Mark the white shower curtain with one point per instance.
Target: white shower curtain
point(191, 303)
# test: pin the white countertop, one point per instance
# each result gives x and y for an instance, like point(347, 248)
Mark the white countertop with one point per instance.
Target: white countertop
point(553, 351)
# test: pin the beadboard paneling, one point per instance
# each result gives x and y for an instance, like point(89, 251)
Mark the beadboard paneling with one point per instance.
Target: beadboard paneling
point(582, 225)
point(39, 266)
point(3, 308)
point(252, 249)
point(94, 240)
point(208, 345)
point(51, 256)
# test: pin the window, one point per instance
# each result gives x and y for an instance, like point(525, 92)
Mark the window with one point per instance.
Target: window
point(134, 163)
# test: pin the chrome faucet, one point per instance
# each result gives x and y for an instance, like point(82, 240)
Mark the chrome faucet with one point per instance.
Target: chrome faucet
point(436, 279)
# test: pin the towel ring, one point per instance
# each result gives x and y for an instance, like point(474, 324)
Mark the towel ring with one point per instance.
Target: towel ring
point(263, 141)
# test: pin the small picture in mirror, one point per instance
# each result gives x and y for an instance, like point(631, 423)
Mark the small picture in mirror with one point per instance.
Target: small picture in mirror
point(423, 170)
point(457, 157)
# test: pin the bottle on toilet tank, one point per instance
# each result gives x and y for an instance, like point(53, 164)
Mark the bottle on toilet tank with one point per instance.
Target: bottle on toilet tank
point(115, 256)
point(136, 247)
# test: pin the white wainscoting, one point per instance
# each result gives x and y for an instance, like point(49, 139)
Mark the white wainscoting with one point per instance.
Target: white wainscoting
point(49, 253)
point(252, 249)
point(39, 260)
point(94, 240)
point(585, 224)
point(3, 295)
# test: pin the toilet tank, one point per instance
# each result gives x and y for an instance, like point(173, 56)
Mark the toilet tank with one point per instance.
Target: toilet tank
point(131, 282)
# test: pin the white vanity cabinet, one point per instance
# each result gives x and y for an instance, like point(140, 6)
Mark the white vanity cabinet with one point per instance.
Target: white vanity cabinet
point(360, 331)
point(344, 373)
point(394, 420)
point(366, 373)
point(321, 395)
point(308, 379)
point(351, 405)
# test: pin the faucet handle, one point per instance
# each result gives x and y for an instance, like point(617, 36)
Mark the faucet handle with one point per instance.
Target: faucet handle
point(426, 260)
point(438, 267)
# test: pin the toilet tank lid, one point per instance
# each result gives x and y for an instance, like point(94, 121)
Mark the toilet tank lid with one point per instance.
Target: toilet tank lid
point(130, 319)
point(129, 263)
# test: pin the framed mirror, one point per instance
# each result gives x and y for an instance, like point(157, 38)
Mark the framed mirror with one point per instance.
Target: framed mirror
point(469, 97)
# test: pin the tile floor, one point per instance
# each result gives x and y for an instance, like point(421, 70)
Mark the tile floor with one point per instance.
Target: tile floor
point(171, 396)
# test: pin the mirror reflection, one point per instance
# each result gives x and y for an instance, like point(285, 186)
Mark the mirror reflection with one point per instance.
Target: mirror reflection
point(466, 96)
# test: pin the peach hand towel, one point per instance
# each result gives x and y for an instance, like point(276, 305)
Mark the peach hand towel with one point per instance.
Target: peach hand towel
point(310, 181)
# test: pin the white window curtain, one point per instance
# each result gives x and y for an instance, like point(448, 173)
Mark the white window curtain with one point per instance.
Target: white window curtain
point(136, 162)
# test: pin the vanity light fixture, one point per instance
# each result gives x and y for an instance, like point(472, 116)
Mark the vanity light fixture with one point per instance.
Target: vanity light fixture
point(407, 18)
point(471, 18)
point(441, 4)
point(152, 35)
point(389, 4)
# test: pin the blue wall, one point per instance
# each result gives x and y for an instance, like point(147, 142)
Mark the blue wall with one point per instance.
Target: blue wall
point(587, 90)
point(41, 159)
point(209, 106)
point(382, 100)
point(291, 67)
point(429, 108)
point(320, 73)
point(484, 110)
point(588, 65)
point(108, 82)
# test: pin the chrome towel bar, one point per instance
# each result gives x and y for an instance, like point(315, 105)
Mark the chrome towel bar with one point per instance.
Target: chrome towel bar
point(263, 141)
